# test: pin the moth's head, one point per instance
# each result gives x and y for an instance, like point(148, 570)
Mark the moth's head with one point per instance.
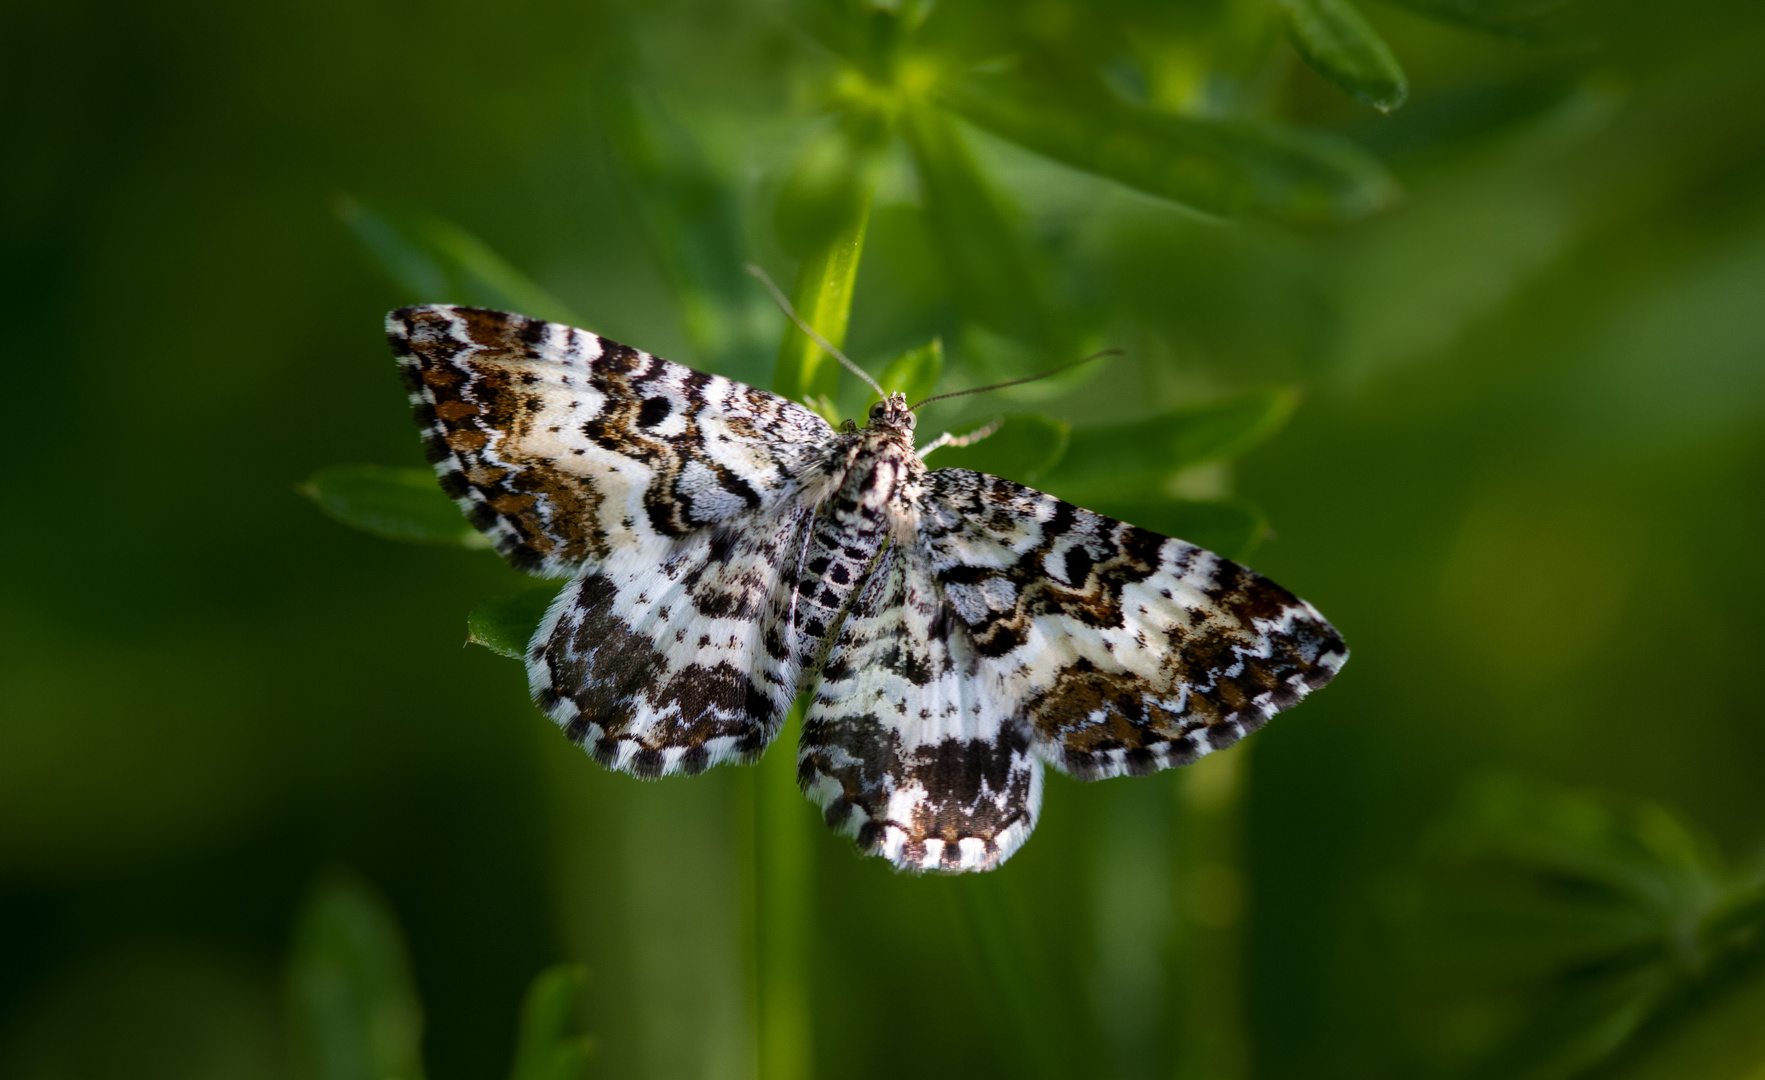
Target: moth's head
point(891, 412)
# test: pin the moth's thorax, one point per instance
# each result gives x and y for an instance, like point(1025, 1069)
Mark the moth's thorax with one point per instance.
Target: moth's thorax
point(878, 468)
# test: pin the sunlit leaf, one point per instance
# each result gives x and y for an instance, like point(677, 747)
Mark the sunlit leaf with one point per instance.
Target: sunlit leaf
point(827, 189)
point(915, 372)
point(821, 217)
point(1129, 455)
point(1023, 448)
point(433, 261)
point(1336, 39)
point(394, 503)
point(505, 624)
point(1220, 166)
point(353, 1007)
point(545, 1048)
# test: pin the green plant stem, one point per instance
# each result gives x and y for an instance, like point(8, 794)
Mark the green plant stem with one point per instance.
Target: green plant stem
point(781, 911)
point(1212, 1040)
point(1000, 940)
point(782, 868)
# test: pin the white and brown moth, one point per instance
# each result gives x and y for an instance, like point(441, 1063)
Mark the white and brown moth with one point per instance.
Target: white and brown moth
point(727, 550)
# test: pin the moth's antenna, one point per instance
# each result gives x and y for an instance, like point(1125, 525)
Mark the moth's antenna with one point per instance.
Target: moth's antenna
point(1017, 382)
point(784, 304)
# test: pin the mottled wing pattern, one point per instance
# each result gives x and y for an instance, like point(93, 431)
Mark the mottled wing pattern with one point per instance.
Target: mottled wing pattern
point(1005, 629)
point(905, 752)
point(564, 447)
point(672, 496)
point(1123, 651)
point(726, 545)
point(674, 661)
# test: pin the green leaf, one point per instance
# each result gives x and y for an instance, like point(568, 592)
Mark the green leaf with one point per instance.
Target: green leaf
point(1024, 448)
point(397, 504)
point(433, 261)
point(827, 189)
point(821, 217)
point(1220, 166)
point(505, 624)
point(915, 372)
point(1229, 527)
point(1142, 454)
point(990, 266)
point(544, 1047)
point(1337, 41)
point(353, 1009)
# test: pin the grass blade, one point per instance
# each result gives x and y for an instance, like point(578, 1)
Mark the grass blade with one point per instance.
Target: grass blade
point(915, 372)
point(823, 211)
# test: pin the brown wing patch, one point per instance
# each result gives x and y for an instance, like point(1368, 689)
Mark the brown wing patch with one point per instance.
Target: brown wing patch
point(547, 435)
point(1126, 651)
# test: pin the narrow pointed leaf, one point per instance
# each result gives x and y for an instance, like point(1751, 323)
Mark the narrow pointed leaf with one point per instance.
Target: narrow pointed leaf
point(394, 503)
point(915, 372)
point(1219, 166)
point(505, 624)
point(353, 1007)
point(1337, 41)
point(1024, 448)
point(433, 261)
point(1610, 917)
point(822, 213)
point(484, 272)
point(406, 259)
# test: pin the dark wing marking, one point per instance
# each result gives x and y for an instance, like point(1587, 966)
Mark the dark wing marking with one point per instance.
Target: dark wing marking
point(1122, 650)
point(905, 751)
point(674, 660)
point(563, 447)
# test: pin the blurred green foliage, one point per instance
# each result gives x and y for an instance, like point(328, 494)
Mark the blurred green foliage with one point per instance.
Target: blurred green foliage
point(354, 1012)
point(353, 1009)
point(1480, 377)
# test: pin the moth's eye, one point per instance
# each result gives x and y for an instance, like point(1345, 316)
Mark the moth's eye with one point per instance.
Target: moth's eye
point(876, 411)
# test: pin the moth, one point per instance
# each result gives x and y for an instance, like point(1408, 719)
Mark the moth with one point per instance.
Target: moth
point(726, 550)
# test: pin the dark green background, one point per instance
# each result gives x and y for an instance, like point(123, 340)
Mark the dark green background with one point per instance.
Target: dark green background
point(1525, 481)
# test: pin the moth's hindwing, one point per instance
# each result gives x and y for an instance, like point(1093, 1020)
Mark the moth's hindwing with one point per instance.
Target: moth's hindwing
point(903, 748)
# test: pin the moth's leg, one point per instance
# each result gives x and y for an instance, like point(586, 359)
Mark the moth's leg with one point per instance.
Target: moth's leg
point(947, 439)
